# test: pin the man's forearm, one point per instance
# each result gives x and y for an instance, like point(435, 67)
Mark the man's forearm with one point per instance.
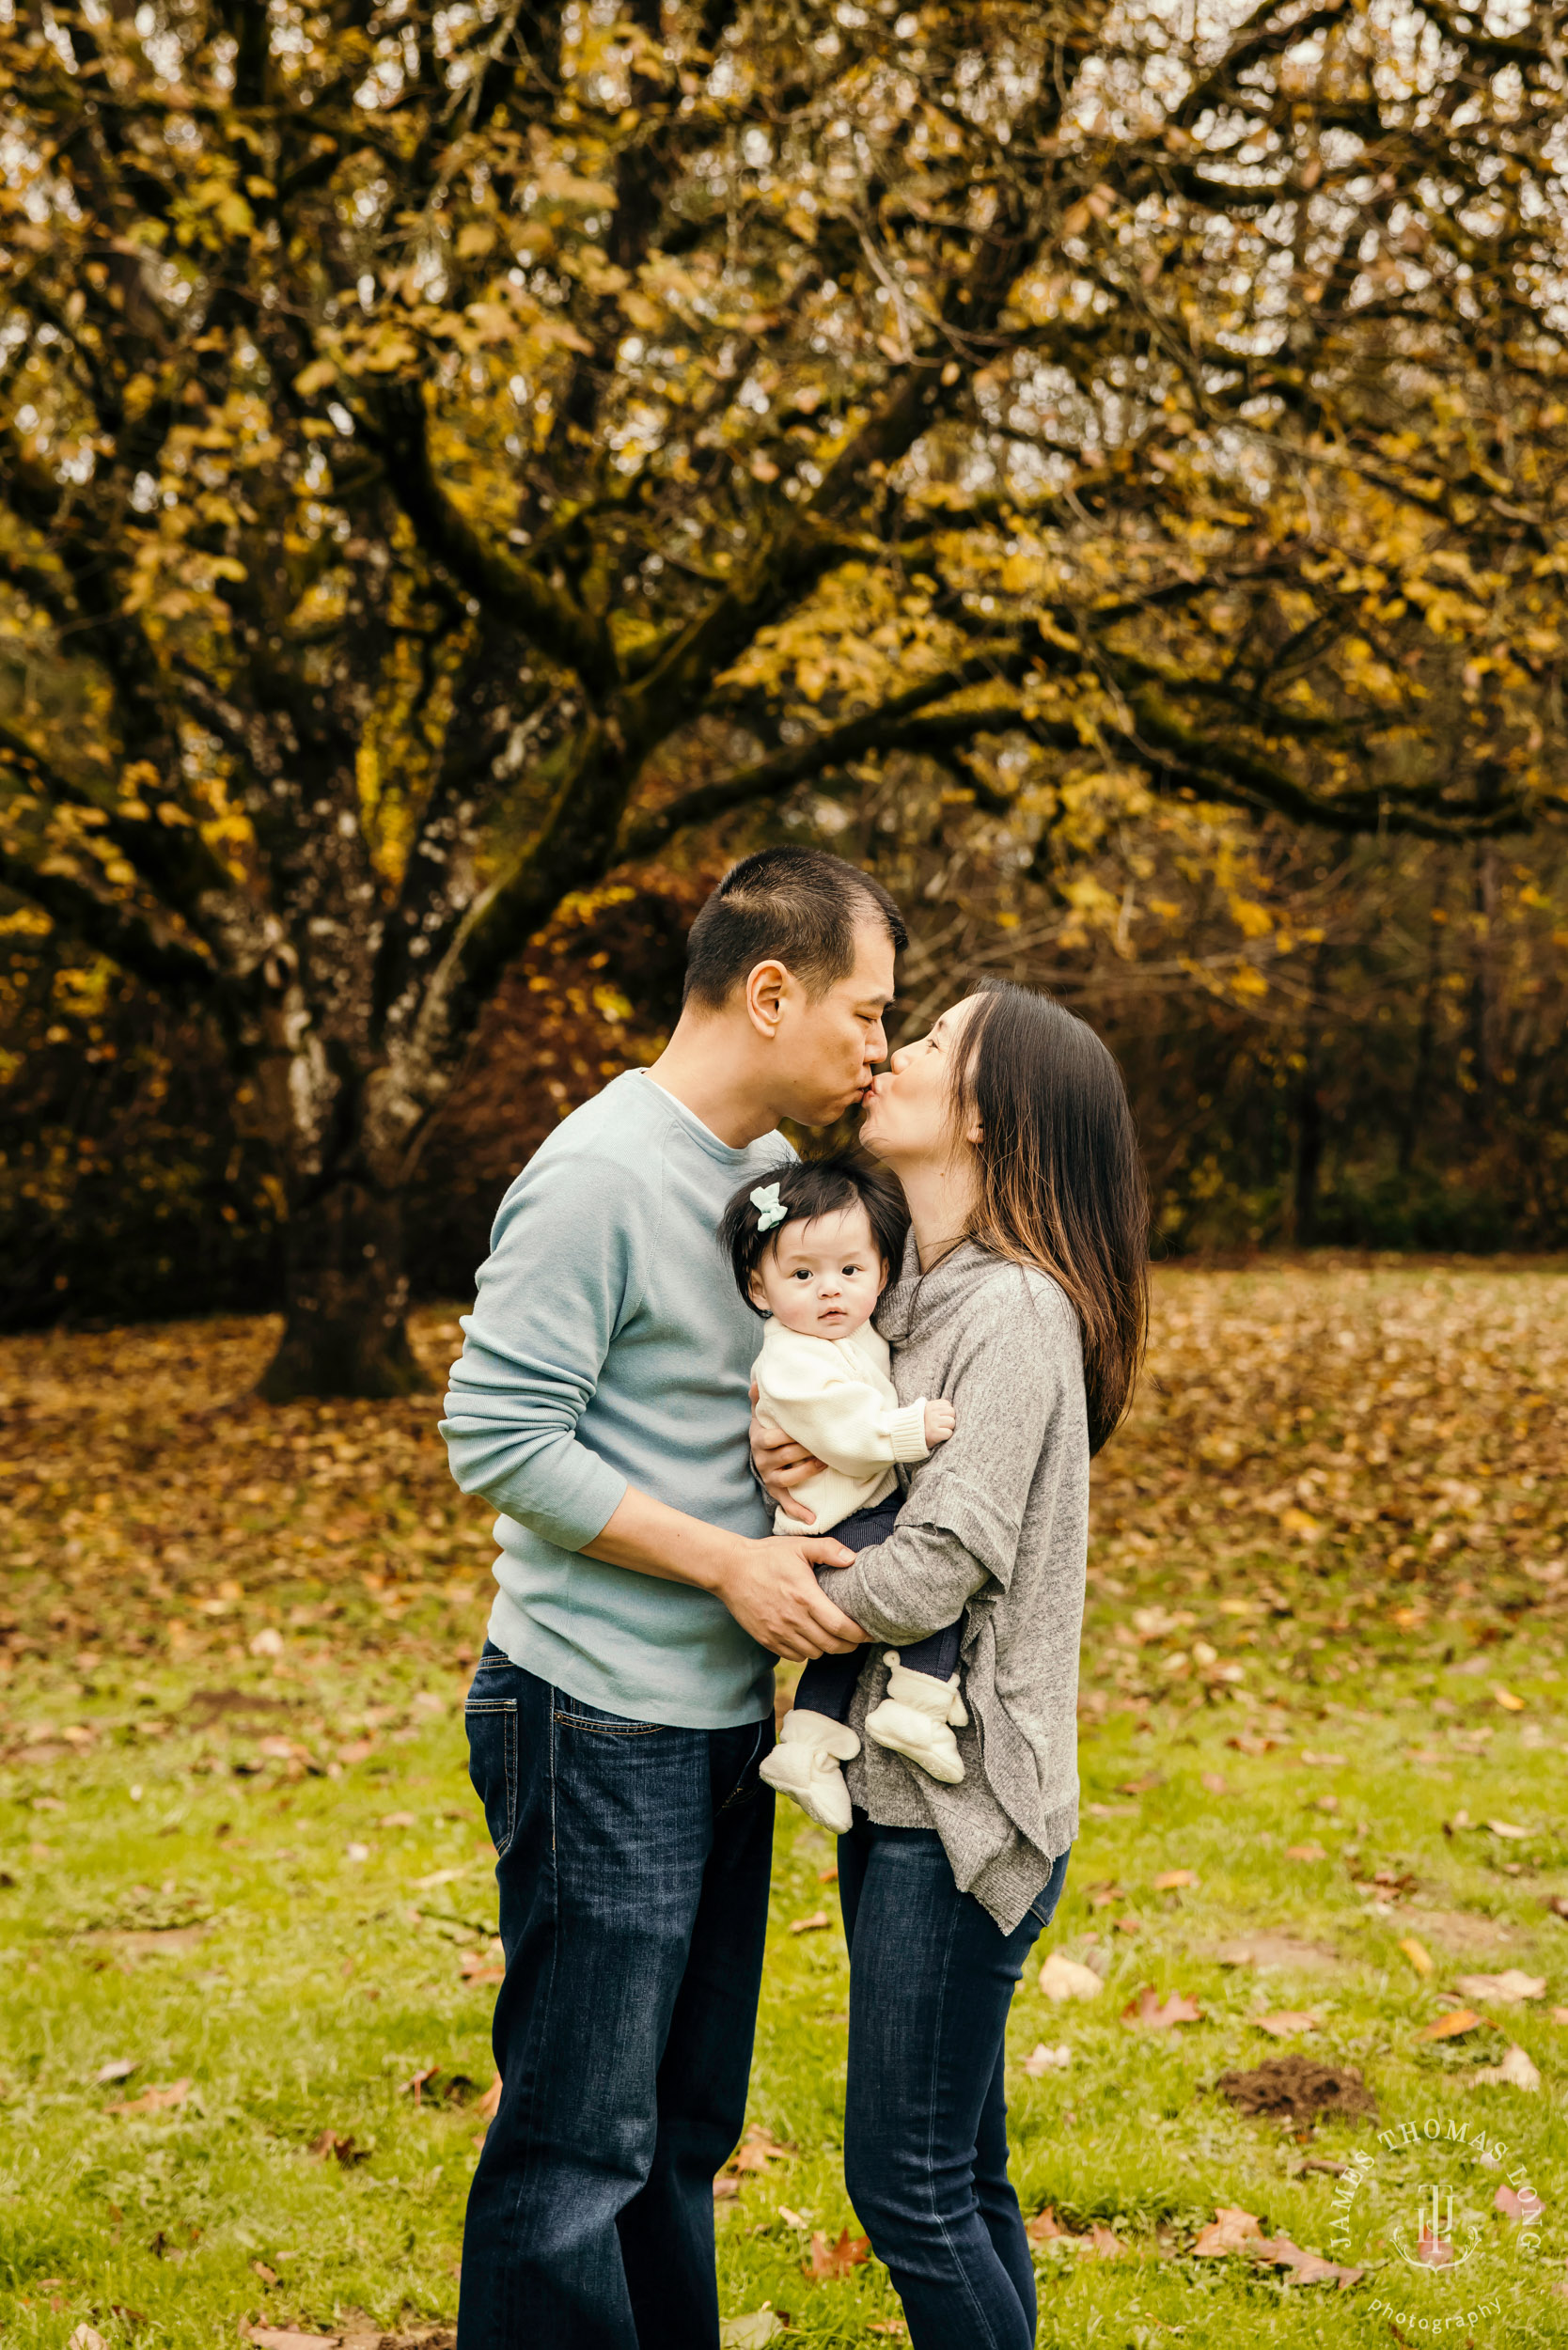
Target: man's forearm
point(650, 1538)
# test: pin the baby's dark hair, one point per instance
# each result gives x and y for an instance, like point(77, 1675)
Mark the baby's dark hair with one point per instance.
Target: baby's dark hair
point(808, 1188)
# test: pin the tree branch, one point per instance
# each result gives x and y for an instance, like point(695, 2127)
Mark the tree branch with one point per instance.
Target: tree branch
point(509, 590)
point(122, 933)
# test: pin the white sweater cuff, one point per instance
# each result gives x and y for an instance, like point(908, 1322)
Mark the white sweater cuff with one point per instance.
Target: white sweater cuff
point(908, 1431)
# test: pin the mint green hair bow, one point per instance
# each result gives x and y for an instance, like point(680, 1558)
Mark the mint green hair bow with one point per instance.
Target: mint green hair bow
point(770, 1208)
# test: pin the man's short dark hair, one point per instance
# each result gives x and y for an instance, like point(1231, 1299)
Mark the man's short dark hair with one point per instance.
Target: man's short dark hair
point(795, 906)
point(807, 1189)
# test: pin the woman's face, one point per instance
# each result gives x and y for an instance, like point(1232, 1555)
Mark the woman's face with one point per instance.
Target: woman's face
point(909, 1107)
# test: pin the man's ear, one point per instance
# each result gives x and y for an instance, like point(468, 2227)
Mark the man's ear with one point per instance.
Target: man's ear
point(766, 988)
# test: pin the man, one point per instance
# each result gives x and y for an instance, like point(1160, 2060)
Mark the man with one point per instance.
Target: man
point(625, 1700)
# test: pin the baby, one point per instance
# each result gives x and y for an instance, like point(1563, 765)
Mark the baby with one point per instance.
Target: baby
point(812, 1252)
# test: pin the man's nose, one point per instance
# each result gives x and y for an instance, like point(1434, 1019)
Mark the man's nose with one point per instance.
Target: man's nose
point(876, 1043)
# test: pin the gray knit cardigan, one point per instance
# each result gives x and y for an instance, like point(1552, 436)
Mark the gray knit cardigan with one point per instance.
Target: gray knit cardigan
point(995, 1528)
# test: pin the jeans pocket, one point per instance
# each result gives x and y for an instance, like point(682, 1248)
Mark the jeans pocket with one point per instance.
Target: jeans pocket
point(572, 1713)
point(492, 1727)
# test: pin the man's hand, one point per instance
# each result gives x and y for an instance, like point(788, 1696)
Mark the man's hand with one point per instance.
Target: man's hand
point(781, 1464)
point(770, 1590)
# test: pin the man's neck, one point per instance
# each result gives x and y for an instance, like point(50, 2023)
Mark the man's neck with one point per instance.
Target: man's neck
point(705, 1071)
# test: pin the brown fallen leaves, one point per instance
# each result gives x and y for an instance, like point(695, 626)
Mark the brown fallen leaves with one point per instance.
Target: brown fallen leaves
point(1511, 1986)
point(1146, 2008)
point(1452, 2026)
point(813, 1924)
point(829, 2260)
point(1099, 2242)
point(1287, 2022)
point(337, 2146)
point(1233, 2232)
point(155, 2100)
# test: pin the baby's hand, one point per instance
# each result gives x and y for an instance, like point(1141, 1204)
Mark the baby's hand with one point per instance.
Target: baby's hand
point(941, 1419)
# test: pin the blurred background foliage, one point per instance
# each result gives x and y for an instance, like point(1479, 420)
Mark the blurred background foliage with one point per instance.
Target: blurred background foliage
point(467, 471)
point(1381, 1065)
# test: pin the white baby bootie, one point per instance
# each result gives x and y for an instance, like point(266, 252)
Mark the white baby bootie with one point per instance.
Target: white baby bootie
point(915, 1718)
point(805, 1763)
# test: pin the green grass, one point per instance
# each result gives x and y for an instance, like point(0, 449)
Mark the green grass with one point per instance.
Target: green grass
point(307, 1985)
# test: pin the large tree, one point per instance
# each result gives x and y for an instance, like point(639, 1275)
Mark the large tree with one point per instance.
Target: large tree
point(453, 449)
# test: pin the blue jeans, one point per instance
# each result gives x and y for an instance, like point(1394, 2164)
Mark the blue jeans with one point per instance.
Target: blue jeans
point(632, 1865)
point(931, 1977)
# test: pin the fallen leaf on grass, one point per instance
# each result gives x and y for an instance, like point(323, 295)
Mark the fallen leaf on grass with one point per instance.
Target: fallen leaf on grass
point(155, 2100)
point(1214, 1783)
point(813, 1924)
point(1045, 2059)
point(417, 2082)
point(1449, 2027)
point(1044, 2227)
point(757, 2150)
point(1506, 1699)
point(1230, 2230)
point(85, 2338)
point(828, 2260)
point(489, 2104)
point(1144, 1786)
point(828, 1876)
point(1102, 2242)
point(117, 2069)
point(1308, 2268)
point(337, 2146)
point(1511, 1986)
point(476, 1968)
point(1515, 2072)
point(1146, 2008)
point(396, 1819)
point(1560, 2014)
point(1063, 1978)
point(724, 2188)
point(1418, 1953)
point(1305, 1851)
point(1507, 1828)
point(751, 2332)
point(282, 2338)
point(1287, 2022)
point(1171, 1880)
point(1527, 2206)
point(268, 2275)
point(894, 2327)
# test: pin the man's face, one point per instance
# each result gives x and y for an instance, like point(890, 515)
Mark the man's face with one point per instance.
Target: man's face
point(828, 1046)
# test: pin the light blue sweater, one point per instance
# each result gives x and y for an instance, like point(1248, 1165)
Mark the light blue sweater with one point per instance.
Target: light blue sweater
point(608, 1347)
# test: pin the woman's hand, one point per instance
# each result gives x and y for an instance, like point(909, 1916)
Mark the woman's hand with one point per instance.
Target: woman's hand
point(781, 1464)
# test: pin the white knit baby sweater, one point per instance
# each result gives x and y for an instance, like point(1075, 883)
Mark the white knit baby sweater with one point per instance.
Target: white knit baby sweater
point(835, 1397)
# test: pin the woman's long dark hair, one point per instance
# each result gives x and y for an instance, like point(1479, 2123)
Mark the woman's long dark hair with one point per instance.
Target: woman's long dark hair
point(1060, 1183)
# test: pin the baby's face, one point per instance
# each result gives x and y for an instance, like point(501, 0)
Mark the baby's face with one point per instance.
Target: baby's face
point(821, 1278)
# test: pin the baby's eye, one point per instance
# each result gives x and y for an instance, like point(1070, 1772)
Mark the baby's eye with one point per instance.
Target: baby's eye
point(802, 1273)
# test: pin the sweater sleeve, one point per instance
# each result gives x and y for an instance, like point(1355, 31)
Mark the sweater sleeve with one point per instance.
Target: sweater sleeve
point(961, 1523)
point(561, 1278)
point(849, 1423)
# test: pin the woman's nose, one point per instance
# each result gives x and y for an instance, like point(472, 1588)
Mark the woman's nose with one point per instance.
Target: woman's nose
point(898, 1058)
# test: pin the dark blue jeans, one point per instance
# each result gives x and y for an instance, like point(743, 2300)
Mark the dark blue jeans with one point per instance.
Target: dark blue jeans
point(634, 1864)
point(931, 1977)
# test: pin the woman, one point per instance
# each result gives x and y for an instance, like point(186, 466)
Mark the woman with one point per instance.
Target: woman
point(1023, 1302)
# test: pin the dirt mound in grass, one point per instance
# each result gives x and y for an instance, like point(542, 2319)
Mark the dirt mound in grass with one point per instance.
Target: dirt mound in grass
point(1300, 2087)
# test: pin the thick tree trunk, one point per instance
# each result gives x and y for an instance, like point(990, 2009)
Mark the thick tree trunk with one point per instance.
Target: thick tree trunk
point(346, 1298)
